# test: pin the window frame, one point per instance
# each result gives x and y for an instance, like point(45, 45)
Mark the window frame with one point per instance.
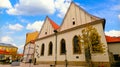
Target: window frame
point(79, 46)
point(50, 49)
point(42, 49)
point(62, 50)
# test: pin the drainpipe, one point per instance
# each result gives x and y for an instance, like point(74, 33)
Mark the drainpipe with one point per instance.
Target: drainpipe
point(55, 31)
point(65, 58)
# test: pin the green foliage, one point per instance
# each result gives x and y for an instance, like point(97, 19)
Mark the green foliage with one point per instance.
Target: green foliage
point(91, 38)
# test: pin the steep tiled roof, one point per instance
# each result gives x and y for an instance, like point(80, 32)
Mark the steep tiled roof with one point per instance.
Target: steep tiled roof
point(31, 36)
point(112, 39)
point(20, 54)
point(54, 25)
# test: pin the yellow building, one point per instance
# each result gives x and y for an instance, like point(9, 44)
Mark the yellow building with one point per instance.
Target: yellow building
point(29, 46)
point(7, 51)
point(31, 36)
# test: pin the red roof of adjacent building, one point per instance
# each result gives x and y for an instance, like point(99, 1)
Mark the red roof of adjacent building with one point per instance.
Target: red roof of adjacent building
point(4, 52)
point(20, 54)
point(112, 39)
point(54, 25)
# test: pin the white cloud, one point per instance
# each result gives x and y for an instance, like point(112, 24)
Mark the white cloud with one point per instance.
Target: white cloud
point(119, 16)
point(113, 33)
point(5, 4)
point(14, 44)
point(6, 39)
point(20, 48)
point(35, 26)
point(15, 27)
point(9, 40)
point(40, 7)
point(62, 6)
point(32, 7)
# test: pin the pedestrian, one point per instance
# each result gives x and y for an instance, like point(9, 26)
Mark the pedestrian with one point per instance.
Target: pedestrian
point(101, 64)
point(35, 61)
point(10, 61)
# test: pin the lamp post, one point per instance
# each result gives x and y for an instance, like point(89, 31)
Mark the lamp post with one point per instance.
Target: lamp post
point(55, 31)
point(65, 58)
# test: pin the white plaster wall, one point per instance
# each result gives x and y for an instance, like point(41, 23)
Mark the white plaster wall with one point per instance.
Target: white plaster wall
point(79, 15)
point(46, 42)
point(114, 48)
point(29, 48)
point(68, 36)
point(29, 51)
point(101, 56)
point(26, 49)
point(47, 27)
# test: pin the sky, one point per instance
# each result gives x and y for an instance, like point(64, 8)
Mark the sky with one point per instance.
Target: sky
point(18, 17)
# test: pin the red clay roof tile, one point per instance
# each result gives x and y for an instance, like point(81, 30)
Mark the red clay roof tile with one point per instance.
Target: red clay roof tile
point(54, 25)
point(112, 39)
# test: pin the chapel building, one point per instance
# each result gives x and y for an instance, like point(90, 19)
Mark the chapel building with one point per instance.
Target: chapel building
point(59, 45)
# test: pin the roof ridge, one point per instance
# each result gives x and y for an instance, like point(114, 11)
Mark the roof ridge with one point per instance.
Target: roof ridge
point(6, 44)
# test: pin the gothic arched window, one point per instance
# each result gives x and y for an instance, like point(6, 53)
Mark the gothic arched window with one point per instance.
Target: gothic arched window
point(62, 47)
point(76, 47)
point(50, 48)
point(42, 49)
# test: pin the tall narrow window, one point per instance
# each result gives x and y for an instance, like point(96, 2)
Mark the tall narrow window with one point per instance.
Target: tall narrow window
point(63, 47)
point(76, 47)
point(42, 50)
point(73, 21)
point(50, 48)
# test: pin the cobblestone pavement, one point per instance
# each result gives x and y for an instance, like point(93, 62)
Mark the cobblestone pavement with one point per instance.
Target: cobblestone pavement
point(23, 65)
point(31, 65)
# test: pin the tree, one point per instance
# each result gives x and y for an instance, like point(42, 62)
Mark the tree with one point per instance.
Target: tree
point(91, 40)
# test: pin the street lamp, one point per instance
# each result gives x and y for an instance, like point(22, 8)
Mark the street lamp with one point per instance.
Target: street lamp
point(65, 58)
point(55, 31)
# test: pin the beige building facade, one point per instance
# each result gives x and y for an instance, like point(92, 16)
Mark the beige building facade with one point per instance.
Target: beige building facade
point(59, 45)
point(113, 45)
point(29, 46)
point(29, 52)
